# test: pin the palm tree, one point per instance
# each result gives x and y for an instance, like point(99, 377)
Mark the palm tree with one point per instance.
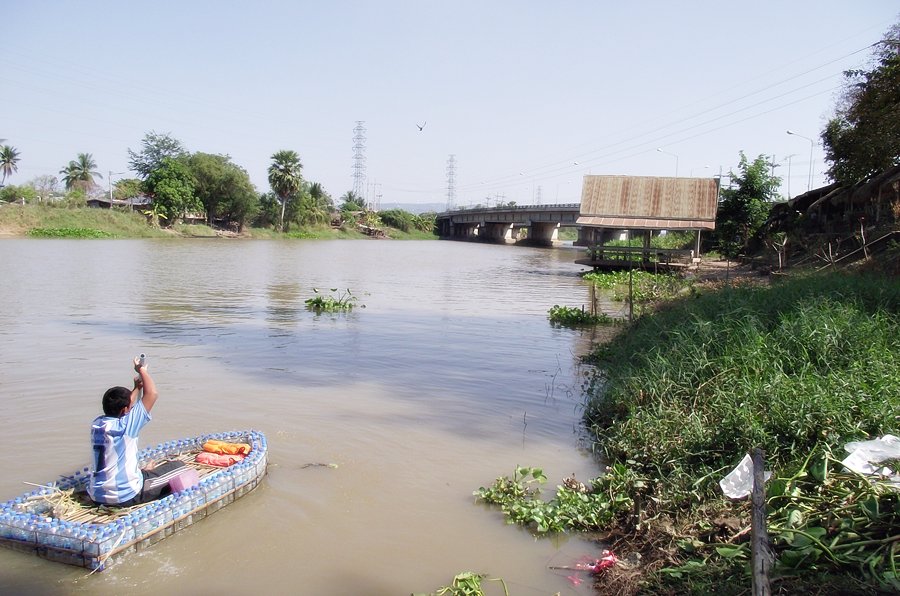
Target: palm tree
point(317, 205)
point(285, 178)
point(9, 162)
point(80, 172)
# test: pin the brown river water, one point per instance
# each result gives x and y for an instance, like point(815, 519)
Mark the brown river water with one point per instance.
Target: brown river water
point(449, 377)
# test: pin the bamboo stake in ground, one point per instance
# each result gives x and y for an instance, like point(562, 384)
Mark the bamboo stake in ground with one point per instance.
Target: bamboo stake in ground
point(762, 558)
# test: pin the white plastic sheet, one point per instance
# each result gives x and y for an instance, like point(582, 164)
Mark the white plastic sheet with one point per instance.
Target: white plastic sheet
point(866, 455)
point(739, 482)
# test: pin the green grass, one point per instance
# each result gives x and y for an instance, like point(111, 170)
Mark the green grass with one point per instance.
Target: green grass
point(807, 361)
point(21, 219)
point(798, 368)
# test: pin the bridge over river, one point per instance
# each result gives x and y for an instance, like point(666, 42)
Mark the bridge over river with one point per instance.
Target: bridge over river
point(531, 224)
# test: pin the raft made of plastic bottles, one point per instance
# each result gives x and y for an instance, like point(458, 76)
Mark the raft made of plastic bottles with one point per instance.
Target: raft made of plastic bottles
point(57, 521)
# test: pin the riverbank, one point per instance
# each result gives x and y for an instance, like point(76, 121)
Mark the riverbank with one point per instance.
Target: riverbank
point(58, 221)
point(797, 365)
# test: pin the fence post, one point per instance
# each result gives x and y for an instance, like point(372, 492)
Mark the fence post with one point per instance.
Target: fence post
point(761, 558)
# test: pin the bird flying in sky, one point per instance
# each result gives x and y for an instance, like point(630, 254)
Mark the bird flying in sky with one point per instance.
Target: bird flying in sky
point(421, 126)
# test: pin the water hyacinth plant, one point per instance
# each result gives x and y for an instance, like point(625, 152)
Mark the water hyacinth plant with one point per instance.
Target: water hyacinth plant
point(571, 316)
point(343, 301)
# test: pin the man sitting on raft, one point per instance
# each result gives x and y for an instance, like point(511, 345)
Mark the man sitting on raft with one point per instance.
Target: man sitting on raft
point(116, 478)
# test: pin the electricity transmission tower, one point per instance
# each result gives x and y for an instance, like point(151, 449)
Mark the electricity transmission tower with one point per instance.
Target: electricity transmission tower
point(451, 182)
point(359, 160)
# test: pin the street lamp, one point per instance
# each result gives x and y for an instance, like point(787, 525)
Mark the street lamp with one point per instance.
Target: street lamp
point(811, 145)
point(109, 183)
point(691, 175)
point(673, 155)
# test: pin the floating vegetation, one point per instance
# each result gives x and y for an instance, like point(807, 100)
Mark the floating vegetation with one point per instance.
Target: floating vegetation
point(343, 301)
point(467, 583)
point(571, 316)
point(69, 233)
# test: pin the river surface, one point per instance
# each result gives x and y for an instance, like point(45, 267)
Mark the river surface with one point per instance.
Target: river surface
point(449, 377)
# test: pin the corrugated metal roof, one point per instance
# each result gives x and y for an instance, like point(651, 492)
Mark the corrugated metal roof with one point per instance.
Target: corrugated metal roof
point(649, 202)
point(636, 223)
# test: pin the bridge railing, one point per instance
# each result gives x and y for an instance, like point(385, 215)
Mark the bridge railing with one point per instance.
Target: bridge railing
point(667, 256)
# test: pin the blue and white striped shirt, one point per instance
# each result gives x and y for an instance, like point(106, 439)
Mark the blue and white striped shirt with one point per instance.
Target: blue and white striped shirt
point(115, 474)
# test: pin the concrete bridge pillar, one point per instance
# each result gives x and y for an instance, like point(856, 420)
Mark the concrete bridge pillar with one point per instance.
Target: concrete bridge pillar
point(585, 236)
point(499, 232)
point(544, 233)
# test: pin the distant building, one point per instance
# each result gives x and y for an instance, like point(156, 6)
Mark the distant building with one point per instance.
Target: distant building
point(137, 203)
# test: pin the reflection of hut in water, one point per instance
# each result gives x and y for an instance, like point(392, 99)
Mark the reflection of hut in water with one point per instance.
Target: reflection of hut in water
point(622, 208)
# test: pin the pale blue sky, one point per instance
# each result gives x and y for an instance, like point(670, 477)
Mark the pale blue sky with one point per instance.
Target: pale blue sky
point(517, 91)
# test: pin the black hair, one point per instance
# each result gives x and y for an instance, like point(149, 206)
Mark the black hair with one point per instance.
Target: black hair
point(115, 399)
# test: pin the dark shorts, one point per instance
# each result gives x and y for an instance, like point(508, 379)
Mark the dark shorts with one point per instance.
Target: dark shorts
point(156, 483)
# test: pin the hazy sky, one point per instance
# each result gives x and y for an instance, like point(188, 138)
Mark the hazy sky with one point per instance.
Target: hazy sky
point(528, 96)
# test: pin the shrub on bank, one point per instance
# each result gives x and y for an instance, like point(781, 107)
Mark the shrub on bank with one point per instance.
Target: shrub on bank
point(806, 361)
point(798, 368)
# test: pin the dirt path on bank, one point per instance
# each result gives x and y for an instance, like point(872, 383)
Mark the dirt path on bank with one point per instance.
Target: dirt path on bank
point(722, 271)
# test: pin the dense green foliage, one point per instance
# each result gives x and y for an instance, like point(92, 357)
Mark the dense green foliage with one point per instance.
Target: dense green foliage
point(575, 505)
point(571, 316)
point(406, 221)
point(223, 188)
point(808, 361)
point(863, 138)
point(12, 193)
point(69, 233)
point(800, 369)
point(744, 208)
point(646, 288)
point(172, 187)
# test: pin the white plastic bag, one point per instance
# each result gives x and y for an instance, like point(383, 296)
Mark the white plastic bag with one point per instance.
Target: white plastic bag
point(865, 454)
point(739, 482)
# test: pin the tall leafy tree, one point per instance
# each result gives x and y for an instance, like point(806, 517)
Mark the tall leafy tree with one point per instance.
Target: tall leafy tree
point(223, 188)
point(172, 187)
point(127, 188)
point(285, 178)
point(863, 138)
point(743, 209)
point(80, 173)
point(9, 162)
point(155, 147)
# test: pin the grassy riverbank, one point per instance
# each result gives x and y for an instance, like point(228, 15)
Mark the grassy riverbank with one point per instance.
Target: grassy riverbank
point(798, 367)
point(59, 221)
